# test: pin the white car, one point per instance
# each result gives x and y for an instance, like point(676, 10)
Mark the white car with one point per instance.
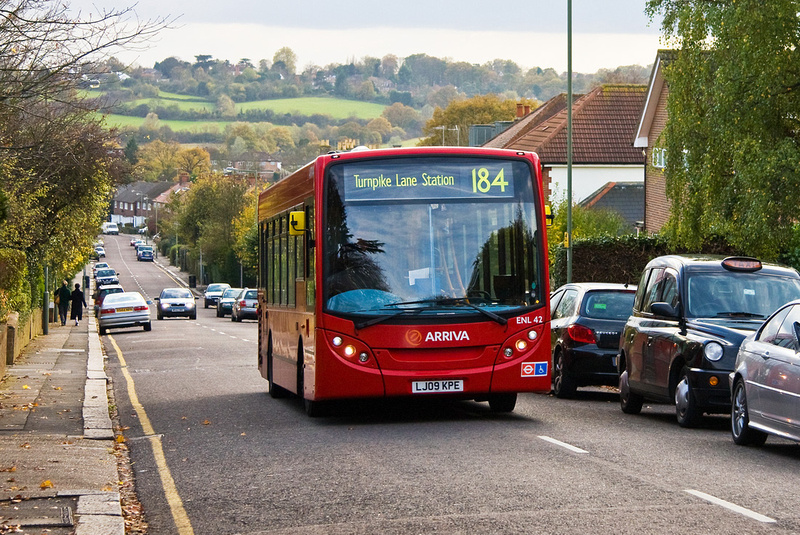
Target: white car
point(213, 293)
point(124, 309)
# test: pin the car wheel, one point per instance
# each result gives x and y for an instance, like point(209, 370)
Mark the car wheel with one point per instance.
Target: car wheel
point(743, 434)
point(502, 402)
point(685, 405)
point(148, 326)
point(630, 402)
point(102, 331)
point(205, 304)
point(219, 313)
point(159, 316)
point(563, 385)
point(193, 316)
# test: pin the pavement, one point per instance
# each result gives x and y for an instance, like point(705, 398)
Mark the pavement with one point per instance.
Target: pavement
point(58, 462)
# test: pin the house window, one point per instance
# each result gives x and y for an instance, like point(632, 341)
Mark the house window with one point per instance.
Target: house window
point(659, 156)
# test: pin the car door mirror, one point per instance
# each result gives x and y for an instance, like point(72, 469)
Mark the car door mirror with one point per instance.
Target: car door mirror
point(664, 309)
point(156, 298)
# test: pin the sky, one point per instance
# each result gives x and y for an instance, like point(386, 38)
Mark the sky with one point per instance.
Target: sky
point(532, 33)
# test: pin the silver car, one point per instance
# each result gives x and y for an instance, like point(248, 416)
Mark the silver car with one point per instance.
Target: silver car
point(245, 305)
point(176, 302)
point(765, 383)
point(124, 309)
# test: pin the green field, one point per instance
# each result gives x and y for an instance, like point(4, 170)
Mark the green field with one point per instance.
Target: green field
point(189, 126)
point(335, 107)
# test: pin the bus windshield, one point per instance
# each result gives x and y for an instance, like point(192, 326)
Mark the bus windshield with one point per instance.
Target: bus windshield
point(430, 236)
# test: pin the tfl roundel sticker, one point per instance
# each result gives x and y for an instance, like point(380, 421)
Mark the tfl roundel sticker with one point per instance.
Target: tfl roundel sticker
point(534, 369)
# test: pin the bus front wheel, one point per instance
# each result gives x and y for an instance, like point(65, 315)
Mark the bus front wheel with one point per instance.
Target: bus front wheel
point(502, 402)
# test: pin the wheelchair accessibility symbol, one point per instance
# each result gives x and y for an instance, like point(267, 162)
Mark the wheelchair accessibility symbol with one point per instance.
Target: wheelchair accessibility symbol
point(534, 369)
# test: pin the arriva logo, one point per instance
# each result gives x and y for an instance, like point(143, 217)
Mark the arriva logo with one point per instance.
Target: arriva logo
point(446, 336)
point(414, 337)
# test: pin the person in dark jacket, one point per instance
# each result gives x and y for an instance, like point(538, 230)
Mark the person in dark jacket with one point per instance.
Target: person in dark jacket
point(64, 296)
point(78, 304)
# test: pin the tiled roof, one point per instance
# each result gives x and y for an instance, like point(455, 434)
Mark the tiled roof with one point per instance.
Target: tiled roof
point(627, 198)
point(135, 191)
point(604, 123)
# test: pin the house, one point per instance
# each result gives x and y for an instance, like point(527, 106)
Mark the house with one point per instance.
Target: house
point(604, 122)
point(255, 165)
point(648, 138)
point(133, 204)
point(625, 198)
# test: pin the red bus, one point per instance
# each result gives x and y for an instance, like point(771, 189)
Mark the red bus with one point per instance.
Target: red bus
point(405, 272)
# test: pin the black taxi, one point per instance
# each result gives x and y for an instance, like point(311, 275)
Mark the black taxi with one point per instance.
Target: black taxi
point(690, 315)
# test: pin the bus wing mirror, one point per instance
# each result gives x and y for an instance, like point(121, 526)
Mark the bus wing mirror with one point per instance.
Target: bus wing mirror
point(297, 223)
point(548, 215)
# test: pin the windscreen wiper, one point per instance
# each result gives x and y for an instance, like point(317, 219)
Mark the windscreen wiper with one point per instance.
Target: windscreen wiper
point(739, 315)
point(454, 301)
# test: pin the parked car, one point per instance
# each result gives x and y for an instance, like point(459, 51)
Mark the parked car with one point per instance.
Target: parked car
point(124, 309)
point(225, 302)
point(106, 276)
point(690, 315)
point(101, 292)
point(110, 228)
point(99, 265)
point(100, 252)
point(245, 305)
point(144, 253)
point(765, 382)
point(176, 302)
point(213, 293)
point(586, 323)
point(135, 239)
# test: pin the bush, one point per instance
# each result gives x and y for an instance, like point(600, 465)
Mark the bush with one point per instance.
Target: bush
point(620, 259)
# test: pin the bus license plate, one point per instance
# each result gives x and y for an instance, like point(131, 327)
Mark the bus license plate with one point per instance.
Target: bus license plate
point(437, 386)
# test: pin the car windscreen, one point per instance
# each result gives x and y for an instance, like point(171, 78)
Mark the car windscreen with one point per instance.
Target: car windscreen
point(730, 294)
point(123, 299)
point(176, 294)
point(216, 287)
point(611, 305)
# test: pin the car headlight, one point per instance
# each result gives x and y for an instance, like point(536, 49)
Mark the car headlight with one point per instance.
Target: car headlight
point(713, 351)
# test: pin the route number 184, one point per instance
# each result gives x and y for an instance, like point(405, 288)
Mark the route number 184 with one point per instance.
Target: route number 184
point(481, 182)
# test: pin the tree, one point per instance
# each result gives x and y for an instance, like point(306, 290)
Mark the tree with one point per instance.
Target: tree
point(733, 132)
point(58, 161)
point(586, 223)
point(403, 116)
point(194, 161)
point(453, 122)
point(157, 161)
point(288, 59)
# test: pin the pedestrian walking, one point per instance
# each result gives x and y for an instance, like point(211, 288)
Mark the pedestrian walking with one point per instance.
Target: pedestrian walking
point(78, 304)
point(63, 297)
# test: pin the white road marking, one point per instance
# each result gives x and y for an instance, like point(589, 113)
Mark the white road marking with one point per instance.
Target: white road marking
point(570, 447)
point(731, 506)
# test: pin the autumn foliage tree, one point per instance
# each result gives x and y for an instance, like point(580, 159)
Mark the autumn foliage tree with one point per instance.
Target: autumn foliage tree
point(58, 162)
point(450, 125)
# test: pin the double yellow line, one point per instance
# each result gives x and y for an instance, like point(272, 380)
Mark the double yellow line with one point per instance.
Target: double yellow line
point(179, 515)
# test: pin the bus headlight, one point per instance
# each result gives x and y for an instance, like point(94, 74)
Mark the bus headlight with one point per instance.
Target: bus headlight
point(337, 341)
point(349, 351)
point(522, 345)
point(713, 351)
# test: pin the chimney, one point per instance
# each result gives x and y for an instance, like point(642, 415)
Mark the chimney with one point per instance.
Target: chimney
point(527, 110)
point(520, 111)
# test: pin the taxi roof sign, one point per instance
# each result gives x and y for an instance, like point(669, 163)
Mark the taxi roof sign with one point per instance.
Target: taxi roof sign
point(741, 263)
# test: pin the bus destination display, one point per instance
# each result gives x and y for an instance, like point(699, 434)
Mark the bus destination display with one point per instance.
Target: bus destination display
point(406, 180)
